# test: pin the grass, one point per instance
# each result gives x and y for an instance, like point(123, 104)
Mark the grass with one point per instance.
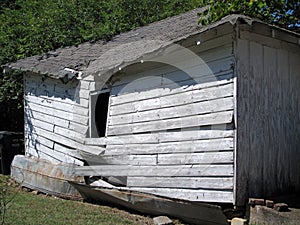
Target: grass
point(29, 208)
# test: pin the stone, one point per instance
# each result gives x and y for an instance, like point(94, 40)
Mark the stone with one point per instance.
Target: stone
point(281, 207)
point(256, 201)
point(238, 221)
point(269, 203)
point(36, 192)
point(162, 220)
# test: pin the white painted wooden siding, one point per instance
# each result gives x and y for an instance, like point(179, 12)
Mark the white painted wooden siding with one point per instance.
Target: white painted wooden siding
point(268, 115)
point(171, 134)
point(56, 119)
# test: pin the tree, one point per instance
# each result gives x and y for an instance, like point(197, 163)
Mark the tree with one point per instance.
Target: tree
point(33, 27)
point(283, 13)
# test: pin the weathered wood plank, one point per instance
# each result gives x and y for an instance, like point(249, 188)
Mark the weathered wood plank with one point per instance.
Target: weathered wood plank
point(95, 150)
point(85, 94)
point(172, 147)
point(145, 160)
point(198, 108)
point(53, 103)
point(195, 158)
point(30, 114)
point(52, 91)
point(56, 138)
point(268, 41)
point(192, 75)
point(78, 128)
point(33, 138)
point(155, 93)
point(191, 195)
point(54, 112)
point(212, 39)
point(225, 183)
point(32, 123)
point(52, 155)
point(69, 151)
point(85, 85)
point(160, 137)
point(69, 134)
point(154, 171)
point(205, 56)
point(243, 80)
point(45, 176)
point(184, 122)
point(182, 97)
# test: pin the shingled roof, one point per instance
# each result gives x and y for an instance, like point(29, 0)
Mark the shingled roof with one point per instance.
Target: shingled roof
point(98, 57)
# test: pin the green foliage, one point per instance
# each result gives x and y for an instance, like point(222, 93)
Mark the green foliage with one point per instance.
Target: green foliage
point(35, 26)
point(284, 13)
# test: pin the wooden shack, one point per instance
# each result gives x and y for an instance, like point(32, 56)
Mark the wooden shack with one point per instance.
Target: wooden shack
point(205, 114)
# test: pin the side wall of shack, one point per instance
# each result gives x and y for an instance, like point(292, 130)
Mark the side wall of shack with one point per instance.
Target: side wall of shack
point(56, 118)
point(268, 112)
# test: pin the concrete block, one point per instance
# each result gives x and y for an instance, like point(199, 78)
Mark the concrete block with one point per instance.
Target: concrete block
point(281, 207)
point(238, 221)
point(256, 201)
point(269, 203)
point(162, 220)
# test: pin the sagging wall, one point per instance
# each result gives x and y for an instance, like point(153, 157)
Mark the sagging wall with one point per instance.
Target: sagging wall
point(174, 130)
point(56, 118)
point(268, 143)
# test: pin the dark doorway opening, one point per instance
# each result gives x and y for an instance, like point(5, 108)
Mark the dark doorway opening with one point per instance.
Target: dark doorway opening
point(101, 110)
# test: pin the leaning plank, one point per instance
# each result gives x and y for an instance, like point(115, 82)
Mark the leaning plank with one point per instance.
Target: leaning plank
point(189, 109)
point(225, 183)
point(45, 176)
point(199, 213)
point(191, 195)
point(150, 171)
point(172, 147)
point(195, 158)
point(174, 123)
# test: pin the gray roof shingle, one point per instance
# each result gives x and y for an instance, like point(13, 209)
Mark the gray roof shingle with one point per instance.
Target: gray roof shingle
point(99, 57)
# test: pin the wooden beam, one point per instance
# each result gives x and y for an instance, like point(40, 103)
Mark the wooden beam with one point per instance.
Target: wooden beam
point(154, 171)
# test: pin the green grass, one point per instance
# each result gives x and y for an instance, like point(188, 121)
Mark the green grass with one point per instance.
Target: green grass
point(28, 208)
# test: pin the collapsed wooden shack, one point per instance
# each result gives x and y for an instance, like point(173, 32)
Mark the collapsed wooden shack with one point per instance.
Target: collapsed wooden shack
point(204, 114)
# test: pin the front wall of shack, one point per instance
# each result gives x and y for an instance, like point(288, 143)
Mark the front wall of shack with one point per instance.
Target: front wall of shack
point(175, 128)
